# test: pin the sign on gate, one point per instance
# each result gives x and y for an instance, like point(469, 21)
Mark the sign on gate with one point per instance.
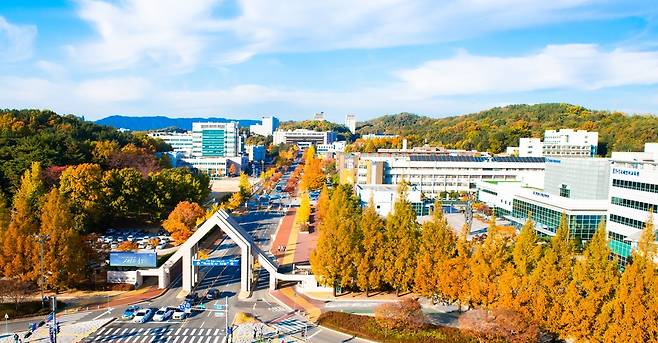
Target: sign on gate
point(233, 262)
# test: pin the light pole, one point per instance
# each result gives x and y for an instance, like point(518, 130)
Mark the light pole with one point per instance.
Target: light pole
point(41, 239)
point(6, 324)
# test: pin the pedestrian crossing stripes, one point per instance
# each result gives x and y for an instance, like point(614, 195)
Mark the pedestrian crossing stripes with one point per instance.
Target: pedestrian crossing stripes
point(290, 325)
point(159, 335)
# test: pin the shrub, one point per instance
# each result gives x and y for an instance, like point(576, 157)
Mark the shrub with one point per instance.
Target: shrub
point(404, 314)
point(508, 325)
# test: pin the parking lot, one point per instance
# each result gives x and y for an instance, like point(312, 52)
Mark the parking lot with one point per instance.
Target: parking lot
point(144, 239)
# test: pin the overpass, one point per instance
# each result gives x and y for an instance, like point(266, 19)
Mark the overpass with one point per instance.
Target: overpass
point(249, 252)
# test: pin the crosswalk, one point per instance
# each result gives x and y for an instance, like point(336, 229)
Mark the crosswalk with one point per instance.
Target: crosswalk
point(290, 325)
point(159, 335)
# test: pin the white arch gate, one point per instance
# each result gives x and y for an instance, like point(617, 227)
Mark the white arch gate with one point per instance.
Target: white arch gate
point(248, 252)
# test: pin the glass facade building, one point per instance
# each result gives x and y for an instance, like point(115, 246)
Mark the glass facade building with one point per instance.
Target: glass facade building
point(547, 219)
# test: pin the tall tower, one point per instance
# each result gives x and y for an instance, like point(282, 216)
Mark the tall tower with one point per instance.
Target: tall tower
point(350, 122)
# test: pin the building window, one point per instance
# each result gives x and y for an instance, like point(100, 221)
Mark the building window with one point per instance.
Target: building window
point(637, 205)
point(639, 186)
point(565, 191)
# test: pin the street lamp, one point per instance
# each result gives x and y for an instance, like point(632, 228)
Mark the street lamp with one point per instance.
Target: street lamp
point(41, 239)
point(6, 324)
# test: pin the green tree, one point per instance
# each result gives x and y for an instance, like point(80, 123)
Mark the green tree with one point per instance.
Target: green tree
point(372, 260)
point(402, 243)
point(125, 193)
point(170, 186)
point(82, 185)
point(595, 278)
point(5, 214)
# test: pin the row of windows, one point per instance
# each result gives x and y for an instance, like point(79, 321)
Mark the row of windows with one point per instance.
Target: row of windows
point(637, 205)
point(488, 191)
point(627, 221)
point(583, 226)
point(639, 186)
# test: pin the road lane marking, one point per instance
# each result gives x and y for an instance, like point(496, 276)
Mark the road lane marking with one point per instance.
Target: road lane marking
point(192, 333)
point(216, 332)
point(176, 339)
point(177, 331)
point(216, 339)
point(315, 333)
point(200, 326)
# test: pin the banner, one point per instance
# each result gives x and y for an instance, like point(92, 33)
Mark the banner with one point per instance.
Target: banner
point(133, 259)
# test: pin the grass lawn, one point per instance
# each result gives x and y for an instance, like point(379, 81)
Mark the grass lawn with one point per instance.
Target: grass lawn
point(367, 327)
point(25, 309)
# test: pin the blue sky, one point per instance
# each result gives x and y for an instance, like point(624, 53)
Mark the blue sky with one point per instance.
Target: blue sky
point(247, 58)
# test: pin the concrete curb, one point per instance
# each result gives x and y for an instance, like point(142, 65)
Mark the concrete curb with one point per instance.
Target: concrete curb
point(85, 335)
point(346, 334)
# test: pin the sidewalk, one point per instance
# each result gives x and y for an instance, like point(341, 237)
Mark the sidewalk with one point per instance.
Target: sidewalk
point(299, 245)
point(289, 297)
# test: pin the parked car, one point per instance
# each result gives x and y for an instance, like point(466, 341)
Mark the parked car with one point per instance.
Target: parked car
point(179, 314)
point(113, 246)
point(163, 314)
point(161, 245)
point(129, 312)
point(143, 315)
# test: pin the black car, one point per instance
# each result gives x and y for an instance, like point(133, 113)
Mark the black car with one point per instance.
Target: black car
point(212, 294)
point(192, 298)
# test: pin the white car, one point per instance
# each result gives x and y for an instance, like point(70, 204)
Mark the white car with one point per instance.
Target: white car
point(143, 315)
point(161, 246)
point(178, 314)
point(163, 314)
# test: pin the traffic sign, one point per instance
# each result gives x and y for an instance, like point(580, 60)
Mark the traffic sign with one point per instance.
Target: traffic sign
point(233, 262)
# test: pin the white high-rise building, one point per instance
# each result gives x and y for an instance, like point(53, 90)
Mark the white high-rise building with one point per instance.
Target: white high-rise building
point(180, 141)
point(215, 139)
point(633, 195)
point(350, 122)
point(304, 138)
point(266, 128)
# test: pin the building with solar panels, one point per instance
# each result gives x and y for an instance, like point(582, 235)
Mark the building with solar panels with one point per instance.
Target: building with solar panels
point(435, 174)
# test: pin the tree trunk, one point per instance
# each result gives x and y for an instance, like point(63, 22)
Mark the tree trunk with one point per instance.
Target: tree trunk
point(397, 292)
point(367, 292)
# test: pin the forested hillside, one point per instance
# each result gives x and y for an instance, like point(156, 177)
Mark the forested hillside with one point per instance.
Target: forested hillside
point(107, 175)
point(494, 129)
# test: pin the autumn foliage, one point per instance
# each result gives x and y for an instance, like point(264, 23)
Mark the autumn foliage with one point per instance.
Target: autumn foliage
point(127, 246)
point(512, 276)
point(404, 314)
point(182, 220)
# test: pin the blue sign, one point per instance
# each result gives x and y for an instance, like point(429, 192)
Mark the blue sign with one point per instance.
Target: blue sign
point(133, 259)
point(233, 262)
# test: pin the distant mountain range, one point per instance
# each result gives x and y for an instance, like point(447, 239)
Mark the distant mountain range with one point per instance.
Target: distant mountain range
point(161, 122)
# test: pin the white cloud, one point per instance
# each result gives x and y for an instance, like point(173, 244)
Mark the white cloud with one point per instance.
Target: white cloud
point(571, 66)
point(116, 89)
point(16, 41)
point(167, 32)
point(180, 34)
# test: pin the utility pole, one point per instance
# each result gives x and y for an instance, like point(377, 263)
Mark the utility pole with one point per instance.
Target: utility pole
point(41, 239)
